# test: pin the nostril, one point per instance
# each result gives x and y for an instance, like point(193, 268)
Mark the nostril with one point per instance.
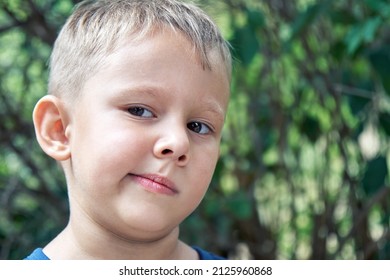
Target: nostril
point(170, 153)
point(182, 158)
point(166, 152)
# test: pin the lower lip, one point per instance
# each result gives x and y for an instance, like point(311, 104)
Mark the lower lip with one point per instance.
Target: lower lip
point(152, 186)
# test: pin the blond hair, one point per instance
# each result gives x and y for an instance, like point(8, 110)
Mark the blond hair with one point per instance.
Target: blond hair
point(95, 28)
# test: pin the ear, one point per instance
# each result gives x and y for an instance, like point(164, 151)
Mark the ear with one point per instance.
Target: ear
point(51, 125)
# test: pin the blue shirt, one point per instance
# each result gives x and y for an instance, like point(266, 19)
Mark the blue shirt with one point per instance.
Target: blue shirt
point(38, 254)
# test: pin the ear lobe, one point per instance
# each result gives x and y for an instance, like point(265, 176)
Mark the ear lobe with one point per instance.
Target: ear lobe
point(51, 125)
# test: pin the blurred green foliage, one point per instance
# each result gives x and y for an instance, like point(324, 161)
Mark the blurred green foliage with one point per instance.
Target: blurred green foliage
point(304, 169)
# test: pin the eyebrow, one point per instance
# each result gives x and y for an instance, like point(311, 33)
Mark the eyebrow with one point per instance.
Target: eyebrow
point(152, 91)
point(215, 109)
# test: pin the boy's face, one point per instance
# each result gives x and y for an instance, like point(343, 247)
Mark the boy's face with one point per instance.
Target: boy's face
point(144, 137)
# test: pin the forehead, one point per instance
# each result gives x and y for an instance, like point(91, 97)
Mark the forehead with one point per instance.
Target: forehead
point(165, 60)
point(209, 57)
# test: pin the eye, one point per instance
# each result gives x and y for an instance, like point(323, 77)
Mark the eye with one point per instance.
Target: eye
point(140, 112)
point(199, 127)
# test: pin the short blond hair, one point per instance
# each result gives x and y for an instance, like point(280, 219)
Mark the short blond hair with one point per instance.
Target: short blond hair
point(95, 28)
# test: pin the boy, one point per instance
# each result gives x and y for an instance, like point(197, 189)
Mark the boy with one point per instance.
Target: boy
point(138, 92)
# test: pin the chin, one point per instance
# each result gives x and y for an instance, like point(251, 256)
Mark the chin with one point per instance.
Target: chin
point(148, 229)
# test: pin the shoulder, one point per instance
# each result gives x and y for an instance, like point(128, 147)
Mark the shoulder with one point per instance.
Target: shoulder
point(205, 255)
point(37, 254)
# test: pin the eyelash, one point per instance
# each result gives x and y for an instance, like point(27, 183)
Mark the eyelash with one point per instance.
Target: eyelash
point(135, 111)
point(194, 126)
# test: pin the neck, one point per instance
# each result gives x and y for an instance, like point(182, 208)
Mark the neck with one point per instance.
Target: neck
point(87, 240)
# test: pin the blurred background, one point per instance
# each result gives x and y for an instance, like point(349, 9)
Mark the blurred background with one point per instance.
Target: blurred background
point(304, 169)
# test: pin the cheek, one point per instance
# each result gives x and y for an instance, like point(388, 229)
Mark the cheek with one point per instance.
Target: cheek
point(205, 165)
point(101, 154)
point(201, 175)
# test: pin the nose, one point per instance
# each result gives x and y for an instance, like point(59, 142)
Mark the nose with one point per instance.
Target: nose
point(173, 143)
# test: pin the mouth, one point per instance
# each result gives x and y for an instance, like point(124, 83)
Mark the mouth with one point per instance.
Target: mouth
point(155, 183)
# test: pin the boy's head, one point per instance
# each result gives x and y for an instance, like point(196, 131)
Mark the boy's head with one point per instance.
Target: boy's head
point(97, 28)
point(140, 145)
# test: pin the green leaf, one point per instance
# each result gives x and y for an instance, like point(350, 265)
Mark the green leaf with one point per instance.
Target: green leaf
point(384, 121)
point(245, 44)
point(212, 206)
point(357, 104)
point(370, 27)
point(311, 128)
point(380, 61)
point(307, 17)
point(338, 50)
point(343, 16)
point(379, 6)
point(255, 19)
point(362, 33)
point(239, 205)
point(375, 175)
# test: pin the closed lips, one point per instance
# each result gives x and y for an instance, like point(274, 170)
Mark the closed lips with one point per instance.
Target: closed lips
point(156, 183)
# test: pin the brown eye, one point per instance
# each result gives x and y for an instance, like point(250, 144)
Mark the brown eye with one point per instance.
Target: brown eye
point(199, 127)
point(140, 112)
